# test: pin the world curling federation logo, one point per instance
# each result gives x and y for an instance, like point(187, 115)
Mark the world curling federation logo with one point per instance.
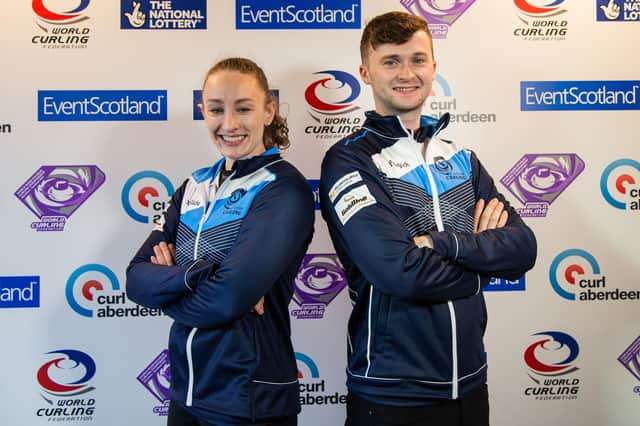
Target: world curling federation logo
point(60, 22)
point(331, 100)
point(54, 193)
point(537, 180)
point(95, 289)
point(313, 388)
point(620, 184)
point(440, 14)
point(543, 20)
point(550, 358)
point(319, 280)
point(145, 196)
point(63, 378)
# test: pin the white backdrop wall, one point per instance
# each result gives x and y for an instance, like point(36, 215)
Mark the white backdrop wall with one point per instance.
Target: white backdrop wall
point(73, 348)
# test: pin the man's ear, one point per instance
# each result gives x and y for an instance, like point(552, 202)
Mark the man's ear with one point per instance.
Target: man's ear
point(364, 74)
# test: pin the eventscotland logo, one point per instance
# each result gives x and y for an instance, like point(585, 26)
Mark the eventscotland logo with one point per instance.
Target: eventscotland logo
point(579, 95)
point(297, 14)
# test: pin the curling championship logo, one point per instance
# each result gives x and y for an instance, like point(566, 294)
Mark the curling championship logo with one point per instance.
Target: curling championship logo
point(54, 193)
point(156, 378)
point(319, 280)
point(439, 14)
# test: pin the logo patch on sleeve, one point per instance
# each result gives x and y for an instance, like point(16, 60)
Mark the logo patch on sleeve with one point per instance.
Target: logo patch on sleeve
point(342, 183)
point(352, 202)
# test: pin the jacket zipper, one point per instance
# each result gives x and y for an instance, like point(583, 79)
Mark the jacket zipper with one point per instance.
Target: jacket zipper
point(192, 333)
point(452, 312)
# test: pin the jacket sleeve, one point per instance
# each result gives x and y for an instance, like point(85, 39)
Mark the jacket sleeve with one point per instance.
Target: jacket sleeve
point(506, 252)
point(154, 286)
point(368, 233)
point(277, 229)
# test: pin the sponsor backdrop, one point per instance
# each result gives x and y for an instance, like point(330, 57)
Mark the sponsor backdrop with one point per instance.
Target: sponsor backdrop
point(98, 126)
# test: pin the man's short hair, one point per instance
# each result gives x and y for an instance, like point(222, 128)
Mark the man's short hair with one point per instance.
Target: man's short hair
point(391, 27)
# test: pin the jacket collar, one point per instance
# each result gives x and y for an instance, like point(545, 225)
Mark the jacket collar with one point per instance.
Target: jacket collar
point(240, 168)
point(390, 126)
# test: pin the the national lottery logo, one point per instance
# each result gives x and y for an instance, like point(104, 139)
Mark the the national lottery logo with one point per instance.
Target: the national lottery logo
point(60, 22)
point(551, 361)
point(537, 180)
point(618, 10)
point(313, 388)
point(331, 98)
point(319, 280)
point(440, 14)
point(93, 290)
point(543, 19)
point(156, 378)
point(145, 196)
point(54, 193)
point(65, 377)
point(620, 184)
point(441, 100)
point(163, 14)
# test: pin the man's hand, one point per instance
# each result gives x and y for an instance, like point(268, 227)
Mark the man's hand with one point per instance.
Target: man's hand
point(136, 18)
point(611, 11)
point(259, 308)
point(423, 241)
point(490, 217)
point(165, 254)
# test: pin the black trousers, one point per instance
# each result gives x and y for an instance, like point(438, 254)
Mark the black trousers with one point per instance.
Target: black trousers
point(472, 410)
point(178, 416)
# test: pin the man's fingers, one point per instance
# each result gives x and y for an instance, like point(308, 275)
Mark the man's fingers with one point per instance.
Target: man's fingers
point(503, 219)
point(163, 254)
point(495, 216)
point(477, 213)
point(259, 308)
point(486, 215)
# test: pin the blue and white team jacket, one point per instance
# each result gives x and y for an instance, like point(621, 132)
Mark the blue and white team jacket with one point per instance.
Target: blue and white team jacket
point(419, 316)
point(229, 364)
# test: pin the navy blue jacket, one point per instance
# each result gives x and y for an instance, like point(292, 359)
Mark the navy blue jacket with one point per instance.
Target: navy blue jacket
point(419, 316)
point(246, 241)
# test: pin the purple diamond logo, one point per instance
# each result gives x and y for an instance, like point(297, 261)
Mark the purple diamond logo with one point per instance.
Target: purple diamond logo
point(630, 358)
point(439, 14)
point(53, 193)
point(320, 279)
point(156, 377)
point(538, 179)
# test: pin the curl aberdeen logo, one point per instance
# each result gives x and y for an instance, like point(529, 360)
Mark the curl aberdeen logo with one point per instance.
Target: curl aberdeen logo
point(620, 184)
point(537, 180)
point(65, 375)
point(54, 193)
point(145, 196)
point(312, 387)
point(576, 272)
point(58, 19)
point(320, 279)
point(442, 101)
point(547, 358)
point(542, 21)
point(331, 100)
point(440, 14)
point(95, 288)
